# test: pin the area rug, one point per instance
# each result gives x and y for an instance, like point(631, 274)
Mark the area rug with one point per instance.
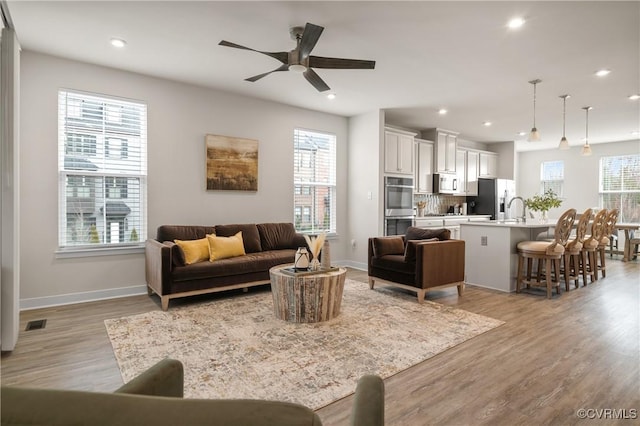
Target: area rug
point(236, 348)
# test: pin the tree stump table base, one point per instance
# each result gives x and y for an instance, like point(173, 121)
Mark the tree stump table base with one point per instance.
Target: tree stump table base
point(307, 298)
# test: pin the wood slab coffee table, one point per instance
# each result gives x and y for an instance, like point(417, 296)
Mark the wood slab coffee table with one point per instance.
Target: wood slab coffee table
point(305, 298)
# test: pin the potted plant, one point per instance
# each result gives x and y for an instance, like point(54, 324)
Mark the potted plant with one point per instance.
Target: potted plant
point(542, 203)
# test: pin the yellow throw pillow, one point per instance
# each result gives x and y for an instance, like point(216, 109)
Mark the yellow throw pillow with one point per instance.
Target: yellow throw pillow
point(194, 250)
point(225, 247)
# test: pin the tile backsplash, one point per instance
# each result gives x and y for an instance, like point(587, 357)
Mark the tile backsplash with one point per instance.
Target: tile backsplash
point(436, 203)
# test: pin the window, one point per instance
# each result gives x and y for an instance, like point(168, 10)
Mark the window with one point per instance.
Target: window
point(552, 177)
point(314, 180)
point(620, 186)
point(102, 166)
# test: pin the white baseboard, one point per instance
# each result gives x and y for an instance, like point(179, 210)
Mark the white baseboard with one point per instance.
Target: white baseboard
point(88, 296)
point(351, 264)
point(114, 293)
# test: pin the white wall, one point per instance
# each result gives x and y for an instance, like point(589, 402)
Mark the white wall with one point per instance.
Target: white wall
point(506, 162)
point(581, 174)
point(366, 133)
point(179, 116)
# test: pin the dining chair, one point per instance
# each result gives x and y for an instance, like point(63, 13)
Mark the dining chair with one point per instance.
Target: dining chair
point(609, 226)
point(590, 245)
point(550, 253)
point(574, 257)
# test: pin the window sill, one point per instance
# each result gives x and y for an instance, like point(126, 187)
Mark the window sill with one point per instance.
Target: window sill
point(68, 253)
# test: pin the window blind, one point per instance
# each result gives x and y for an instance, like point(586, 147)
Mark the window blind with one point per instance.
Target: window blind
point(314, 181)
point(102, 166)
point(620, 186)
point(552, 177)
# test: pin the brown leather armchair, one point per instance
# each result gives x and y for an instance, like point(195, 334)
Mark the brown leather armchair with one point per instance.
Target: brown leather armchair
point(420, 261)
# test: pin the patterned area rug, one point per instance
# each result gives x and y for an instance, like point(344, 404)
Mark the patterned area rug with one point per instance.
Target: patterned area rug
point(236, 348)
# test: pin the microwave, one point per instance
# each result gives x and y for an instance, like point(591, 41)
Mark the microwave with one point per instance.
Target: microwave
point(445, 183)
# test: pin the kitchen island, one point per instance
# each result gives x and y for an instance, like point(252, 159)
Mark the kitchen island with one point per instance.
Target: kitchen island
point(491, 259)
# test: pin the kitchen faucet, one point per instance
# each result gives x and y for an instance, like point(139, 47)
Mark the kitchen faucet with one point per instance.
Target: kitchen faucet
point(524, 209)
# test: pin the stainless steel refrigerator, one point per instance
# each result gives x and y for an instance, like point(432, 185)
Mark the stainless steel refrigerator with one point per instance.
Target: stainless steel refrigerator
point(493, 197)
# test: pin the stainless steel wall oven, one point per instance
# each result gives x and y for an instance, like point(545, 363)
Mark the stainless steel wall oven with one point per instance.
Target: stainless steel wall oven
point(398, 205)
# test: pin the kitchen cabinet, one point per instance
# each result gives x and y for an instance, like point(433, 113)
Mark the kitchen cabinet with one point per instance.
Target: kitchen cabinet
point(446, 146)
point(398, 152)
point(488, 165)
point(467, 172)
point(423, 180)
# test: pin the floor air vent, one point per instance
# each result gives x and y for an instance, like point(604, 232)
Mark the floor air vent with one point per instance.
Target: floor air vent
point(36, 325)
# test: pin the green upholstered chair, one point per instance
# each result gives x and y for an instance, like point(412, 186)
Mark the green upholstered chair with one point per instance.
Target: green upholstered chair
point(155, 398)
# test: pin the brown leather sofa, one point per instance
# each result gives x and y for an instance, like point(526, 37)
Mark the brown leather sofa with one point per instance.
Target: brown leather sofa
point(155, 398)
point(419, 261)
point(266, 245)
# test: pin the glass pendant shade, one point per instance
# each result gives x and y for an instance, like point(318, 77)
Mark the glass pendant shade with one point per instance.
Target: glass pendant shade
point(564, 143)
point(534, 135)
point(586, 150)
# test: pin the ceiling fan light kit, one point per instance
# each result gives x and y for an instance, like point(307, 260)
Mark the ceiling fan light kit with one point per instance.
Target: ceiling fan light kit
point(534, 135)
point(300, 59)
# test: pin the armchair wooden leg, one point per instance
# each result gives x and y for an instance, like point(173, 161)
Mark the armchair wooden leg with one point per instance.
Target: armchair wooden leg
point(149, 290)
point(371, 283)
point(421, 294)
point(165, 302)
point(460, 289)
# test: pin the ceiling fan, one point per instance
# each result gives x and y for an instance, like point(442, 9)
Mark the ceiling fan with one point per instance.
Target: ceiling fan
point(300, 60)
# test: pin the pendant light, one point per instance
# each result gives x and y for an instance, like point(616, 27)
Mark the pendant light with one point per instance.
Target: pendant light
point(564, 143)
point(534, 136)
point(586, 149)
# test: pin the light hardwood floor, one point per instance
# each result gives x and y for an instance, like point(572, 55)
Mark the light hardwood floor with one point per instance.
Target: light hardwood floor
point(550, 358)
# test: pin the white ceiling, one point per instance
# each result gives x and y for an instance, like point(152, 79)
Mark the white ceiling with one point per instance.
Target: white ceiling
point(458, 55)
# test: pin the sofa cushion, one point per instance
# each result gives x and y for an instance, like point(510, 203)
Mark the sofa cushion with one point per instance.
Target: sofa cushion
point(225, 247)
point(414, 233)
point(388, 245)
point(250, 235)
point(394, 262)
point(194, 251)
point(275, 236)
point(183, 232)
point(410, 250)
point(248, 264)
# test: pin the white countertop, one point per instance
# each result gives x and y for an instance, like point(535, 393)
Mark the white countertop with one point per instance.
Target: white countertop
point(453, 216)
point(533, 223)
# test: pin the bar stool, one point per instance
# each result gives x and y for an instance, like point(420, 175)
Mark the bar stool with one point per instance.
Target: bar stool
point(573, 255)
point(548, 252)
point(609, 226)
point(590, 245)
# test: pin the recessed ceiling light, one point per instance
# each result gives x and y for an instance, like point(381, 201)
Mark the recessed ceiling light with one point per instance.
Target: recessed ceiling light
point(331, 96)
point(118, 42)
point(442, 111)
point(634, 97)
point(516, 23)
point(521, 133)
point(486, 123)
point(635, 133)
point(603, 72)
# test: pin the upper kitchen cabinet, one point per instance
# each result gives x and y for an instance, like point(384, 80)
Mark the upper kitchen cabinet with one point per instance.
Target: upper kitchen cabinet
point(423, 180)
point(467, 172)
point(398, 151)
point(446, 145)
point(488, 165)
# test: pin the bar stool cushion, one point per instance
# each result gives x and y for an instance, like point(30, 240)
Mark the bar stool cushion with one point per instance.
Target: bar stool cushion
point(542, 247)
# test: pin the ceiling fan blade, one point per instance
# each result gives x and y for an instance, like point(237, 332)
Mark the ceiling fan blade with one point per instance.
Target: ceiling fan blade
point(315, 80)
point(280, 56)
point(309, 39)
point(339, 63)
point(284, 67)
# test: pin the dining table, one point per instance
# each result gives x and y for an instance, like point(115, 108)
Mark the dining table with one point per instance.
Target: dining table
point(627, 228)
